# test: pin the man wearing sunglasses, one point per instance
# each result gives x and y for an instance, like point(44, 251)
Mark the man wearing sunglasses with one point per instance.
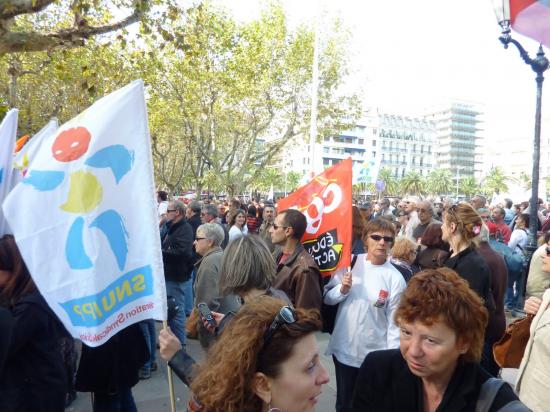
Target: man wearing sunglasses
point(425, 213)
point(297, 273)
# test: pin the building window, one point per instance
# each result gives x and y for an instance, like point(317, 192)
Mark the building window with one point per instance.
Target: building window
point(374, 143)
point(361, 141)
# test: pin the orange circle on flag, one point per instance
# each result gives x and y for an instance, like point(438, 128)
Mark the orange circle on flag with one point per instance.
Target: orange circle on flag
point(71, 144)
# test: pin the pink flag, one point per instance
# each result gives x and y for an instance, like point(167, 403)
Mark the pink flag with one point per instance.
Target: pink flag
point(532, 19)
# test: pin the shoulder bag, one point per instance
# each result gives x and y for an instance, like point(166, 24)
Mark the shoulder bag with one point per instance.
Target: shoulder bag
point(508, 351)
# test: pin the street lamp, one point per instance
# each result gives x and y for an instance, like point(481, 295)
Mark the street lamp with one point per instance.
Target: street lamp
point(539, 65)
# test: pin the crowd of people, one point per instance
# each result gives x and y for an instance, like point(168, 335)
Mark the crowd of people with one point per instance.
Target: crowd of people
point(416, 313)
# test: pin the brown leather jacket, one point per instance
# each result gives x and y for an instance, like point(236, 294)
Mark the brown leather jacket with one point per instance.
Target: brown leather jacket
point(300, 279)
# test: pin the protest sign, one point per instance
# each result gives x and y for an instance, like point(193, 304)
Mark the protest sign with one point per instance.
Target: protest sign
point(85, 219)
point(326, 203)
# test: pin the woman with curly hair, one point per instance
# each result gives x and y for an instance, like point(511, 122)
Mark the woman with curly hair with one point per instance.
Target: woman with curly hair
point(267, 359)
point(436, 368)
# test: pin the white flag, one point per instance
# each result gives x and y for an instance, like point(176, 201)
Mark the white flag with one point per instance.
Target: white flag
point(8, 135)
point(23, 158)
point(85, 220)
point(366, 172)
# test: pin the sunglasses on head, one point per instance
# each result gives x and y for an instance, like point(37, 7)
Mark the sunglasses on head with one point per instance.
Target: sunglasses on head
point(286, 315)
point(378, 238)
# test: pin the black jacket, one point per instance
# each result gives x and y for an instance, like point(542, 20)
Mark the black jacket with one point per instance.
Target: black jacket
point(471, 266)
point(115, 364)
point(33, 378)
point(385, 383)
point(177, 251)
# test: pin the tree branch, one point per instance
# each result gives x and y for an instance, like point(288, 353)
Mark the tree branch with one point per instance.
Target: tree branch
point(12, 8)
point(11, 42)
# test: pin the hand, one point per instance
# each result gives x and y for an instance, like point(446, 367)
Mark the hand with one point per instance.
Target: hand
point(346, 283)
point(169, 344)
point(532, 305)
point(217, 318)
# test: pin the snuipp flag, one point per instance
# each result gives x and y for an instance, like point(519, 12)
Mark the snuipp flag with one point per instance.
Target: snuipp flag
point(85, 219)
point(326, 203)
point(532, 19)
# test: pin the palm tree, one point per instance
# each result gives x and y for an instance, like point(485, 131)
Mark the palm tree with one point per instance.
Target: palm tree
point(495, 181)
point(413, 183)
point(525, 180)
point(391, 183)
point(469, 186)
point(439, 182)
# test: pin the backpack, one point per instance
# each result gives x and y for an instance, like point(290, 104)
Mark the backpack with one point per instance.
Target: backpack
point(328, 312)
point(487, 396)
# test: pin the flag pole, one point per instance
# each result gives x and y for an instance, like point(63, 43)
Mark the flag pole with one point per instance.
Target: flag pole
point(170, 378)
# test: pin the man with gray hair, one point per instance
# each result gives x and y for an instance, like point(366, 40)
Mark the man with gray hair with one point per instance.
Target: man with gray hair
point(209, 214)
point(424, 211)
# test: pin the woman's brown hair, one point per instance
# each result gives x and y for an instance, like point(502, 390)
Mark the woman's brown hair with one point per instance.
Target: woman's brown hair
point(358, 223)
point(20, 282)
point(467, 220)
point(434, 295)
point(378, 225)
point(224, 381)
point(432, 236)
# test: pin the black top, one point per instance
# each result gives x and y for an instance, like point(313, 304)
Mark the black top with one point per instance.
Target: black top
point(385, 383)
point(471, 266)
point(177, 251)
point(33, 377)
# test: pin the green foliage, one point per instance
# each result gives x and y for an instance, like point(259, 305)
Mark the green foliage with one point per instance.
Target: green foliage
point(413, 183)
point(468, 186)
point(495, 182)
point(391, 182)
point(439, 182)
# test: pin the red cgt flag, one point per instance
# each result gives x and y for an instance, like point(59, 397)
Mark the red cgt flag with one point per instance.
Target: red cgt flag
point(326, 203)
point(532, 19)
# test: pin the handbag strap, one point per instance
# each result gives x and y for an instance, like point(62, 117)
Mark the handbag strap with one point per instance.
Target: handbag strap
point(487, 394)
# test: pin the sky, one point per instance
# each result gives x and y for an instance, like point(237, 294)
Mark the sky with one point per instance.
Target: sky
point(406, 55)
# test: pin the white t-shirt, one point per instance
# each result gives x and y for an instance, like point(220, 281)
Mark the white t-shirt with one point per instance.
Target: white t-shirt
point(364, 321)
point(162, 208)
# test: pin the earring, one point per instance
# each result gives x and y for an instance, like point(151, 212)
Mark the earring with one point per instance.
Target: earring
point(272, 409)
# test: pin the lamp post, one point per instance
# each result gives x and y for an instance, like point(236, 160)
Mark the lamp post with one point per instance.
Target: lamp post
point(539, 65)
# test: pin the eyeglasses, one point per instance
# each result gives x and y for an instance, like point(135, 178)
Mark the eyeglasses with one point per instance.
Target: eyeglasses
point(378, 238)
point(286, 315)
point(422, 210)
point(277, 227)
point(170, 210)
point(199, 238)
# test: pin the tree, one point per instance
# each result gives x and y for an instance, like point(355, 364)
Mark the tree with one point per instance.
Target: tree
point(439, 182)
point(268, 177)
point(525, 180)
point(413, 183)
point(390, 182)
point(495, 182)
point(468, 186)
point(239, 93)
point(292, 181)
point(62, 24)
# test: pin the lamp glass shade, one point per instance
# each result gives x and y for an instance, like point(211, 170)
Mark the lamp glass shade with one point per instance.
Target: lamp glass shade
point(502, 10)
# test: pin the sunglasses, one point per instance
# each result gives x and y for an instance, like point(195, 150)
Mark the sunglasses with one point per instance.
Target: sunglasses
point(378, 238)
point(421, 210)
point(286, 316)
point(547, 251)
point(199, 238)
point(170, 210)
point(277, 227)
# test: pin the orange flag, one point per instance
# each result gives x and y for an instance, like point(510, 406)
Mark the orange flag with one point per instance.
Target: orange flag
point(326, 203)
